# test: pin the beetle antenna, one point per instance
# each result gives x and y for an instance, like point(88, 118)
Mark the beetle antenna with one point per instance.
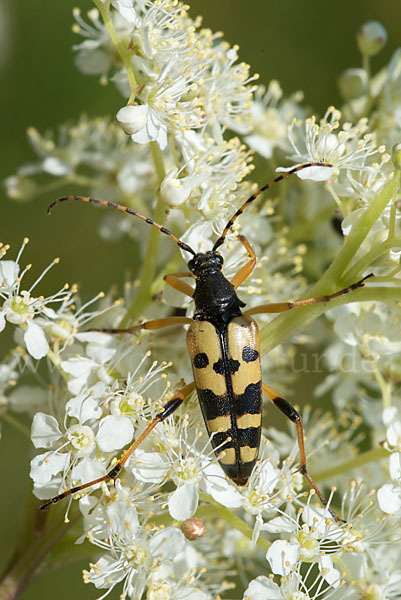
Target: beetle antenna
point(124, 209)
point(268, 185)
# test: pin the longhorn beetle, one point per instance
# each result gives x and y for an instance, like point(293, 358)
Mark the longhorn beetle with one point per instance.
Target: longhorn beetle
point(223, 344)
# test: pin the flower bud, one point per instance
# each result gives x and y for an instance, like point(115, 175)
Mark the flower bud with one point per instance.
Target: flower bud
point(353, 83)
point(132, 118)
point(21, 188)
point(173, 190)
point(371, 38)
point(193, 528)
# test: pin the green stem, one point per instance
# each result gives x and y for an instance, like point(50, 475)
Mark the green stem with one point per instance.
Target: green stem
point(385, 387)
point(25, 566)
point(150, 263)
point(370, 257)
point(295, 320)
point(290, 322)
point(393, 216)
point(335, 196)
point(354, 241)
point(104, 9)
point(354, 463)
point(215, 510)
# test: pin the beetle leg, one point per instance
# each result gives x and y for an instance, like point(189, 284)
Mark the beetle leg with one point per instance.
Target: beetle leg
point(174, 280)
point(289, 411)
point(154, 324)
point(247, 269)
point(280, 307)
point(169, 407)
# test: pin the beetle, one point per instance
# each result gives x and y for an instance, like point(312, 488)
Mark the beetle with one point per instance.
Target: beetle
point(223, 344)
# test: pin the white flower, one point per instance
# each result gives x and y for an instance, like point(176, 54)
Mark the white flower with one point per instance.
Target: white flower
point(294, 586)
point(94, 55)
point(133, 551)
point(346, 147)
point(86, 371)
point(270, 118)
point(210, 179)
point(72, 449)
point(74, 151)
point(21, 308)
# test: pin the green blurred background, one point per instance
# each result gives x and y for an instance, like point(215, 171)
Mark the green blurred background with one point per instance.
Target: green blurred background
point(305, 44)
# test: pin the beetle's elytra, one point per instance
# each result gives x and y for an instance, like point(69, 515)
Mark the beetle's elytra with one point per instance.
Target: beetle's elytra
point(228, 379)
point(223, 344)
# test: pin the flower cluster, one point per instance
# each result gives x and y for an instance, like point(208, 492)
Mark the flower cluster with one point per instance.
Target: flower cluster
point(180, 150)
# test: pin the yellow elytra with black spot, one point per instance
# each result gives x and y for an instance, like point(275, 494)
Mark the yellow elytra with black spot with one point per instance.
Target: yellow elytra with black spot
point(227, 375)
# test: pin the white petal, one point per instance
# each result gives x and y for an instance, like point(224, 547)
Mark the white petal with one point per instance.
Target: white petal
point(55, 166)
point(394, 433)
point(262, 588)
point(84, 407)
point(122, 518)
point(389, 415)
point(312, 173)
point(282, 557)
point(278, 525)
point(78, 366)
point(268, 476)
point(35, 341)
point(174, 192)
point(149, 466)
point(220, 489)
point(95, 337)
point(127, 11)
point(150, 133)
point(395, 466)
point(167, 543)
point(2, 321)
point(329, 573)
point(262, 145)
point(86, 470)
point(133, 118)
point(114, 433)
point(45, 431)
point(389, 498)
point(107, 572)
point(100, 353)
point(44, 466)
point(9, 271)
point(316, 173)
point(183, 502)
point(80, 370)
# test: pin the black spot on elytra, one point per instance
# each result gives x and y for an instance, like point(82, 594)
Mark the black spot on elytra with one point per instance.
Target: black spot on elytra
point(249, 354)
point(201, 360)
point(250, 401)
point(218, 367)
point(212, 405)
point(233, 366)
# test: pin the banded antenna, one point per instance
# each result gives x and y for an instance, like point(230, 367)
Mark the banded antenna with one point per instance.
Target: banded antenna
point(268, 185)
point(124, 209)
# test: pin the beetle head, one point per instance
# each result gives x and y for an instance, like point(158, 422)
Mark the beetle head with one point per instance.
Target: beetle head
point(203, 262)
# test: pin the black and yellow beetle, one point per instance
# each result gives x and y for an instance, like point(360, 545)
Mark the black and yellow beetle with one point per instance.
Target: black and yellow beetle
point(223, 344)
